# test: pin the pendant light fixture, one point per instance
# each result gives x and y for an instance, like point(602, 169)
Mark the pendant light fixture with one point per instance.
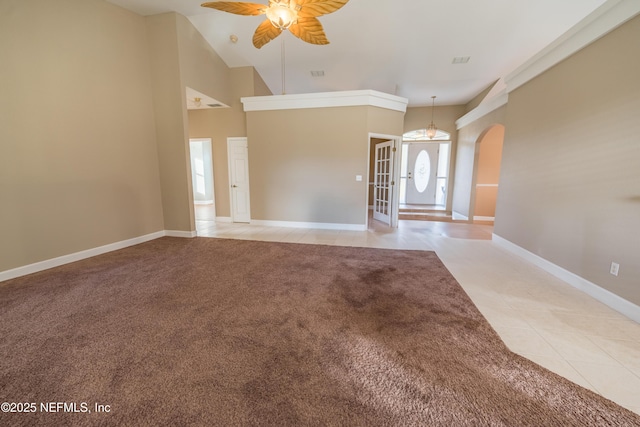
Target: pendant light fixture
point(432, 129)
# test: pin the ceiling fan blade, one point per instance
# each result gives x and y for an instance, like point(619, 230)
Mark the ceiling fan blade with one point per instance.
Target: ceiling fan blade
point(250, 9)
point(312, 8)
point(265, 33)
point(309, 30)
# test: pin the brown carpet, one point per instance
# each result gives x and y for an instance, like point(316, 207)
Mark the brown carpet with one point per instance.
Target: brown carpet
point(182, 332)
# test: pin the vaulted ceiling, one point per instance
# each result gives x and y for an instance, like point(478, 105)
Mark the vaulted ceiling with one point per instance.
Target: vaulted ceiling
point(401, 47)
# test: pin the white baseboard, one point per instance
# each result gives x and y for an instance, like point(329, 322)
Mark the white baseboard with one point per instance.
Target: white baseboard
point(183, 234)
point(66, 259)
point(484, 218)
point(458, 216)
point(223, 219)
point(312, 225)
point(606, 297)
point(78, 256)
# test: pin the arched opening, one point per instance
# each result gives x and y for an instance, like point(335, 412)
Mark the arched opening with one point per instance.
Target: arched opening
point(487, 174)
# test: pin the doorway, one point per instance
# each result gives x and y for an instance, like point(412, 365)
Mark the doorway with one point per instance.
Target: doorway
point(424, 170)
point(201, 158)
point(383, 181)
point(421, 172)
point(382, 193)
point(487, 175)
point(238, 153)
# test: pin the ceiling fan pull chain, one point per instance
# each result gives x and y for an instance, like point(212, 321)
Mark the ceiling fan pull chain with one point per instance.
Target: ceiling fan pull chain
point(283, 66)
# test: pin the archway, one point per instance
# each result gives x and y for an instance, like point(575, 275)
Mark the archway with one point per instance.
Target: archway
point(487, 174)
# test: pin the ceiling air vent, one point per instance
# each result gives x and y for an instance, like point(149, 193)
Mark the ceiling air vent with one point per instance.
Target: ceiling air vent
point(318, 73)
point(460, 59)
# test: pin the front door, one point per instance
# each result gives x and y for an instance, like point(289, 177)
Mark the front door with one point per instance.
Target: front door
point(422, 169)
point(239, 179)
point(383, 182)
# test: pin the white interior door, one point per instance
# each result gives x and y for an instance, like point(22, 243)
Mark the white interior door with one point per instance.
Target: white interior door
point(238, 153)
point(422, 169)
point(383, 182)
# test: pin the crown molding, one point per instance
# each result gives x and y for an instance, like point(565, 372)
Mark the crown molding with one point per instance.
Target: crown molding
point(324, 100)
point(483, 109)
point(603, 20)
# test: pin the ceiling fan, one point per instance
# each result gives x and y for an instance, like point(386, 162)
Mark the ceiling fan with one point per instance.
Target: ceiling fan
point(298, 16)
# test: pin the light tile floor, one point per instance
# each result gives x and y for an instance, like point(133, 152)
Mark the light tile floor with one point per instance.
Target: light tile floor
point(537, 315)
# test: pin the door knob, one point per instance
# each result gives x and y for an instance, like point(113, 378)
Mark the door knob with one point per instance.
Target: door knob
point(234, 186)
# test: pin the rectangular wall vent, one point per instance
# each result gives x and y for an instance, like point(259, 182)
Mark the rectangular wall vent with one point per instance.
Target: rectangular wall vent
point(461, 59)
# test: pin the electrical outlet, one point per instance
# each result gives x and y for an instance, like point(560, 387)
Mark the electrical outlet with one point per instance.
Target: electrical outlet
point(615, 267)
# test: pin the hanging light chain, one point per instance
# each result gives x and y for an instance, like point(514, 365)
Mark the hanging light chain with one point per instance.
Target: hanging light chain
point(432, 129)
point(283, 66)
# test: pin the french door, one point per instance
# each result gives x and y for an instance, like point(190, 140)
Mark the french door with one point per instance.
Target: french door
point(383, 182)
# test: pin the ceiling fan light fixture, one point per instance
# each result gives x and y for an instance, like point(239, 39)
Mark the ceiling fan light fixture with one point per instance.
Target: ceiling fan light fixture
point(281, 14)
point(300, 17)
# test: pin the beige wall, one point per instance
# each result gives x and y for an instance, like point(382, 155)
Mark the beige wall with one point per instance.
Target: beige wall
point(260, 88)
point(467, 154)
point(477, 100)
point(180, 58)
point(445, 119)
point(570, 179)
point(490, 155)
point(169, 106)
point(305, 170)
point(78, 160)
point(488, 172)
point(384, 122)
point(222, 123)
point(200, 66)
point(485, 204)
